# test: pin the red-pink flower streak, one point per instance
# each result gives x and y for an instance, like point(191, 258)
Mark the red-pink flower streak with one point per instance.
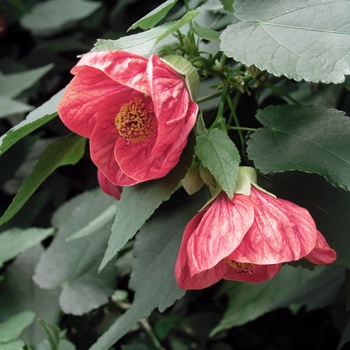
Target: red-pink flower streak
point(247, 238)
point(136, 111)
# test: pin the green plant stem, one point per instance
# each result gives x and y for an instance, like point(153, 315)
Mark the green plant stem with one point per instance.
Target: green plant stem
point(221, 107)
point(208, 97)
point(281, 92)
point(243, 128)
point(233, 115)
point(146, 326)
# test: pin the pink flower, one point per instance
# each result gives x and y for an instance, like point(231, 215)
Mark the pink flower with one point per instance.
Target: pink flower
point(137, 113)
point(107, 186)
point(247, 238)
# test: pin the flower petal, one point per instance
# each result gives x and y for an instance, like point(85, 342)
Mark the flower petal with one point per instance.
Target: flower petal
point(322, 252)
point(107, 186)
point(219, 232)
point(282, 231)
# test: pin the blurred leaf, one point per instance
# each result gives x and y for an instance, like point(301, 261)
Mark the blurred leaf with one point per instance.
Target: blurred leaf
point(15, 241)
point(206, 33)
point(73, 266)
point(155, 16)
point(153, 278)
point(219, 154)
point(247, 301)
point(53, 334)
point(143, 43)
point(9, 107)
point(13, 345)
point(53, 16)
point(137, 204)
point(66, 151)
point(12, 85)
point(14, 326)
point(34, 120)
point(298, 39)
point(19, 292)
point(228, 5)
point(305, 138)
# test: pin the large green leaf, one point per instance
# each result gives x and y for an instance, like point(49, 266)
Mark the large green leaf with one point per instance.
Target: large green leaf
point(308, 139)
point(143, 43)
point(155, 16)
point(66, 151)
point(220, 155)
point(15, 241)
point(72, 266)
point(53, 16)
point(19, 293)
point(11, 85)
point(137, 204)
point(153, 278)
point(300, 39)
point(247, 301)
point(34, 120)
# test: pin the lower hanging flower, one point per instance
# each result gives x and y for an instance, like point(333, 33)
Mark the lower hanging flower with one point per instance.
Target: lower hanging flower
point(247, 238)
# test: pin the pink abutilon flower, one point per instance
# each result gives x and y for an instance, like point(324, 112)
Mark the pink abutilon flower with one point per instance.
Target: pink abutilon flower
point(247, 238)
point(137, 113)
point(108, 187)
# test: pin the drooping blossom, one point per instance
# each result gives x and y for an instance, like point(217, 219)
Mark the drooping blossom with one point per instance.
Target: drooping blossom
point(137, 113)
point(247, 238)
point(108, 187)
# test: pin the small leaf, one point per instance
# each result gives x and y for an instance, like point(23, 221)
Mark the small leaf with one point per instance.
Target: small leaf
point(15, 241)
point(309, 139)
point(53, 16)
point(144, 43)
point(137, 204)
point(9, 107)
point(228, 5)
point(219, 154)
point(297, 39)
point(153, 277)
point(72, 266)
point(34, 120)
point(53, 333)
point(206, 33)
point(14, 326)
point(155, 16)
point(12, 85)
point(66, 151)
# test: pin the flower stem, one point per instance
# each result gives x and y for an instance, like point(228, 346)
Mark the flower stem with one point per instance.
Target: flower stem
point(243, 128)
point(146, 326)
point(234, 116)
point(208, 97)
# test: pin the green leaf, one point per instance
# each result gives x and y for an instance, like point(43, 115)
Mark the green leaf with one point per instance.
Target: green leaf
point(53, 333)
point(153, 280)
point(206, 33)
point(155, 16)
point(219, 154)
point(297, 39)
point(144, 43)
point(34, 120)
point(19, 293)
point(14, 326)
point(12, 85)
point(9, 107)
point(66, 151)
point(309, 139)
point(53, 16)
point(13, 345)
point(15, 241)
point(228, 5)
point(72, 266)
point(248, 301)
point(137, 204)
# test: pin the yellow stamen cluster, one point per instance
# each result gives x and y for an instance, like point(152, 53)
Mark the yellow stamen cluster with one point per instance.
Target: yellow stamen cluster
point(134, 122)
point(240, 267)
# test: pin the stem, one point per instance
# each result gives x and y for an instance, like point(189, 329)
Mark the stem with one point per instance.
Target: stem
point(208, 97)
point(243, 128)
point(221, 107)
point(281, 92)
point(234, 116)
point(146, 326)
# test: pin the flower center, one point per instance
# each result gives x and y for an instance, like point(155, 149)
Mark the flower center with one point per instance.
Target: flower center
point(134, 122)
point(240, 267)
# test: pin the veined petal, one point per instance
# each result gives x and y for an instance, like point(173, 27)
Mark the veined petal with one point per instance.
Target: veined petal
point(122, 67)
point(322, 252)
point(256, 273)
point(175, 111)
point(83, 97)
point(107, 186)
point(219, 232)
point(282, 231)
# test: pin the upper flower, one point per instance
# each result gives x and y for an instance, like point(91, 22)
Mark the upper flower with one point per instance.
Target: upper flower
point(136, 111)
point(247, 238)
